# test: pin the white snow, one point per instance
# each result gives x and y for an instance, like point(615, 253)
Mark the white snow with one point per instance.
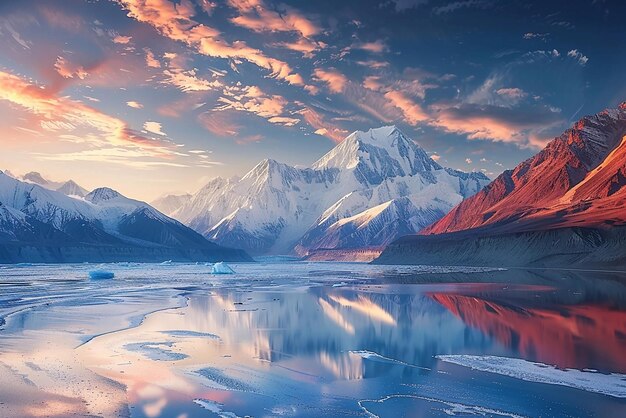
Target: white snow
point(274, 205)
point(607, 384)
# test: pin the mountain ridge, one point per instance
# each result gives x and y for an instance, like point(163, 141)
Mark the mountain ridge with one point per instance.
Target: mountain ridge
point(276, 208)
point(42, 225)
point(564, 206)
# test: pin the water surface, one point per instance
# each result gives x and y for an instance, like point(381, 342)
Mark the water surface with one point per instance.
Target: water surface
point(311, 339)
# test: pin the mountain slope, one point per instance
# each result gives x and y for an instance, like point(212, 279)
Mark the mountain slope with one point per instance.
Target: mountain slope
point(168, 204)
point(276, 208)
point(40, 225)
point(574, 188)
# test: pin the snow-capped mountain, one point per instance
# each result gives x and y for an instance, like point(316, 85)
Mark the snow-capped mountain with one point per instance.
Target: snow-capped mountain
point(370, 189)
point(169, 203)
point(68, 188)
point(37, 224)
point(564, 206)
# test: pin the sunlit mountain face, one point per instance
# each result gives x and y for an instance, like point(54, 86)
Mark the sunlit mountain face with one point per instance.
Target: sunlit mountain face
point(162, 96)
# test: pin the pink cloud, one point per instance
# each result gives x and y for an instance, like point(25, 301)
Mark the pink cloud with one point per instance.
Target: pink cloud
point(376, 47)
point(174, 20)
point(56, 113)
point(68, 70)
point(256, 16)
point(413, 112)
point(335, 80)
point(218, 123)
point(151, 60)
point(122, 40)
point(321, 126)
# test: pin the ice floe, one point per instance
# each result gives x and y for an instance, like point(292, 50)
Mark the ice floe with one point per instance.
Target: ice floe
point(158, 351)
point(449, 408)
point(101, 274)
point(607, 384)
point(215, 407)
point(222, 268)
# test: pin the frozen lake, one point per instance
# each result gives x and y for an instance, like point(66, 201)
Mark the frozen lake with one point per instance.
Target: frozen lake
point(310, 339)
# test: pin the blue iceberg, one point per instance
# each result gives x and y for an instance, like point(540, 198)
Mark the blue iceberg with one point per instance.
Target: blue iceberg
point(221, 268)
point(101, 274)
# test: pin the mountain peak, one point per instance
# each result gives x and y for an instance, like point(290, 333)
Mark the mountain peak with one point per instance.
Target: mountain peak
point(102, 194)
point(377, 154)
point(35, 177)
point(71, 188)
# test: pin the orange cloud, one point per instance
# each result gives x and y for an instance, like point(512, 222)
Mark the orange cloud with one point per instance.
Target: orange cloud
point(122, 40)
point(134, 104)
point(252, 99)
point(323, 128)
point(257, 17)
point(376, 47)
point(521, 126)
point(413, 112)
point(151, 60)
point(174, 20)
point(69, 70)
point(61, 113)
point(219, 123)
point(336, 81)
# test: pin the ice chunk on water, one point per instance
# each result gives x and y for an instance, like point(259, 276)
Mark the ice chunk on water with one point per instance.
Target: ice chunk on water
point(607, 384)
point(222, 268)
point(101, 274)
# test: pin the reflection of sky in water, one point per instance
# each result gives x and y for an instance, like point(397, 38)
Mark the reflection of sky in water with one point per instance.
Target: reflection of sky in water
point(299, 346)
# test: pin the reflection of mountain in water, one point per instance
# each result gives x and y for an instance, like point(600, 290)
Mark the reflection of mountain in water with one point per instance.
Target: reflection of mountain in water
point(577, 336)
point(324, 324)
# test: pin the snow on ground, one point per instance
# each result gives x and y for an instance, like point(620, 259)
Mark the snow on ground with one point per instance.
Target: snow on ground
point(606, 384)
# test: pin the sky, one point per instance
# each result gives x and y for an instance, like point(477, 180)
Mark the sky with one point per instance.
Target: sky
point(158, 96)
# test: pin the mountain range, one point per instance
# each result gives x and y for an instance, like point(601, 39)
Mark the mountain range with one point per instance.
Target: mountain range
point(38, 224)
point(566, 206)
point(369, 190)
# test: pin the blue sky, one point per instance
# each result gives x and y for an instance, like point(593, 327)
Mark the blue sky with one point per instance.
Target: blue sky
point(157, 96)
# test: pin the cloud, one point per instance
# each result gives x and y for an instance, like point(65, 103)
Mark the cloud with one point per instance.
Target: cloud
point(512, 93)
point(153, 127)
point(335, 80)
point(578, 56)
point(402, 5)
point(468, 160)
point(534, 35)
point(321, 126)
point(255, 15)
point(497, 123)
point(413, 112)
point(69, 70)
point(303, 45)
point(151, 60)
point(122, 40)
point(219, 123)
point(188, 81)
point(458, 5)
point(373, 64)
point(376, 47)
point(123, 156)
point(134, 104)
point(53, 112)
point(174, 20)
point(436, 157)
point(285, 121)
